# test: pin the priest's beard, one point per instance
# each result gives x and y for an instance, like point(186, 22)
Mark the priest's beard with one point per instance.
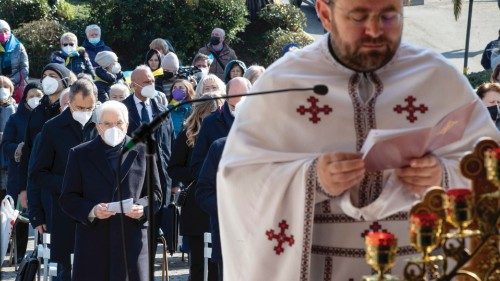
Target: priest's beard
point(364, 61)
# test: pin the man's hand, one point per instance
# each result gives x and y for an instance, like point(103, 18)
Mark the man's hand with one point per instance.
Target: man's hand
point(340, 171)
point(136, 212)
point(101, 211)
point(18, 152)
point(24, 199)
point(423, 173)
point(41, 228)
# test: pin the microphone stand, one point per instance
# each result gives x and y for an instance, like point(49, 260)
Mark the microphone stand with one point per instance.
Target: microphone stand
point(144, 134)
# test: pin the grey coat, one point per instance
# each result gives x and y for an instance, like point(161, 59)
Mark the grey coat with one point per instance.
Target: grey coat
point(18, 60)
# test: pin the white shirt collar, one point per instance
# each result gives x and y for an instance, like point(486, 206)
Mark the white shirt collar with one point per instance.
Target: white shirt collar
point(138, 101)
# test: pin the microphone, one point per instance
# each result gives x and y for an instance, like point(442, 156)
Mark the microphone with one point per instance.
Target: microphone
point(145, 129)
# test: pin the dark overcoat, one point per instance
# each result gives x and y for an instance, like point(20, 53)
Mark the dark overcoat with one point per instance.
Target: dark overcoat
point(164, 137)
point(58, 136)
point(90, 180)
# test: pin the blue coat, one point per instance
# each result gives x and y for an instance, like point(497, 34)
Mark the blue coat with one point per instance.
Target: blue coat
point(78, 63)
point(58, 136)
point(164, 137)
point(92, 50)
point(179, 115)
point(206, 194)
point(214, 126)
point(90, 180)
point(13, 135)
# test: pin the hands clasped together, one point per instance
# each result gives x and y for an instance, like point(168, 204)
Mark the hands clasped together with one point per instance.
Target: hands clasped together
point(340, 171)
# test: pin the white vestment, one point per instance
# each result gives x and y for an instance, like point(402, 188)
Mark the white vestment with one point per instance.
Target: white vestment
point(276, 222)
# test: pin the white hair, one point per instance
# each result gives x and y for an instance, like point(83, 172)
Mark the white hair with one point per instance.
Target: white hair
point(210, 77)
point(70, 37)
point(221, 31)
point(120, 87)
point(114, 106)
point(93, 27)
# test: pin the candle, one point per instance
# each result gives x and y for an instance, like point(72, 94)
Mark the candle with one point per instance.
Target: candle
point(380, 239)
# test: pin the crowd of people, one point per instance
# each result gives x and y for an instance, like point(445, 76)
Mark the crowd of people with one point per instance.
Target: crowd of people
point(62, 138)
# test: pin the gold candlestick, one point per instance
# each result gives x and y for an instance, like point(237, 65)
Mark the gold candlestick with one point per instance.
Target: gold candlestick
point(491, 163)
point(459, 206)
point(425, 233)
point(381, 250)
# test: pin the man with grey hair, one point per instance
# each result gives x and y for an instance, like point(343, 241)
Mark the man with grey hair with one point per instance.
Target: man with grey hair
point(69, 129)
point(93, 44)
point(218, 52)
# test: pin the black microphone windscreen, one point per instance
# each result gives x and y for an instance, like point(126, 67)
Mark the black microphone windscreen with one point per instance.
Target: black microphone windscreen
point(321, 89)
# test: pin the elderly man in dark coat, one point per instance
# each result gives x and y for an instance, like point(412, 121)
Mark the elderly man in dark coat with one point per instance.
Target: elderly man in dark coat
point(71, 128)
point(90, 185)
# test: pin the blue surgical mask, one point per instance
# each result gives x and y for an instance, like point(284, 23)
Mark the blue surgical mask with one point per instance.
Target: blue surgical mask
point(94, 41)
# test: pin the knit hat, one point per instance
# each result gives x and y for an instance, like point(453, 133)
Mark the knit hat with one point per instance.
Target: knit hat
point(106, 58)
point(170, 62)
point(4, 25)
point(61, 70)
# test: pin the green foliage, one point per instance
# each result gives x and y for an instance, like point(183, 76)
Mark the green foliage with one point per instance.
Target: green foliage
point(277, 38)
point(64, 11)
point(16, 12)
point(286, 17)
point(478, 78)
point(41, 38)
point(276, 26)
point(129, 26)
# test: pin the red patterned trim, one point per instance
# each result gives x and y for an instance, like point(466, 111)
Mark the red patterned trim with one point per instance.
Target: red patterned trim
point(364, 120)
point(305, 263)
point(355, 253)
point(338, 218)
point(328, 272)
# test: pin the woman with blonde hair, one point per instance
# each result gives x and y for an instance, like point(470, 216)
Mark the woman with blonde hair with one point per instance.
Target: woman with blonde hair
point(210, 83)
point(7, 108)
point(193, 222)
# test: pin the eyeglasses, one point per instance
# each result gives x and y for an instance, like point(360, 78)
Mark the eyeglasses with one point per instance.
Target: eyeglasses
point(112, 124)
point(388, 18)
point(68, 44)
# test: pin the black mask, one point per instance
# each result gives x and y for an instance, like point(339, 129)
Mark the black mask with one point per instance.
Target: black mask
point(168, 75)
point(493, 110)
point(214, 40)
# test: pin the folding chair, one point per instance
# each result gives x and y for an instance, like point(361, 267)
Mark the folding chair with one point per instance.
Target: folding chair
point(207, 253)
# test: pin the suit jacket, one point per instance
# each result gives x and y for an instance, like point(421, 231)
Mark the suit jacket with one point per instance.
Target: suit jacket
point(58, 136)
point(90, 180)
point(164, 137)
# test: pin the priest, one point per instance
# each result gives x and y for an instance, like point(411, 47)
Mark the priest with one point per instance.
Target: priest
point(294, 198)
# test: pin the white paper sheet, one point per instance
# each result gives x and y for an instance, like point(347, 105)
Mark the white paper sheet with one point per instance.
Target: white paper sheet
point(115, 206)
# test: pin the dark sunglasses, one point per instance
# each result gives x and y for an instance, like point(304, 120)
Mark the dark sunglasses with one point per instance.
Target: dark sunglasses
point(70, 44)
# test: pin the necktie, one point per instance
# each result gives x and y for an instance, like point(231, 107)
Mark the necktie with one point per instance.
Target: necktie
point(144, 114)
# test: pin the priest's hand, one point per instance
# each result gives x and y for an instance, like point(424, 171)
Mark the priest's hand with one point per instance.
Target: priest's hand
point(101, 211)
point(340, 171)
point(423, 173)
point(136, 212)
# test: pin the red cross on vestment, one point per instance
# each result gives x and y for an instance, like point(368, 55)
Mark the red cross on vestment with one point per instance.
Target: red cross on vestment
point(280, 237)
point(411, 109)
point(375, 227)
point(314, 110)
